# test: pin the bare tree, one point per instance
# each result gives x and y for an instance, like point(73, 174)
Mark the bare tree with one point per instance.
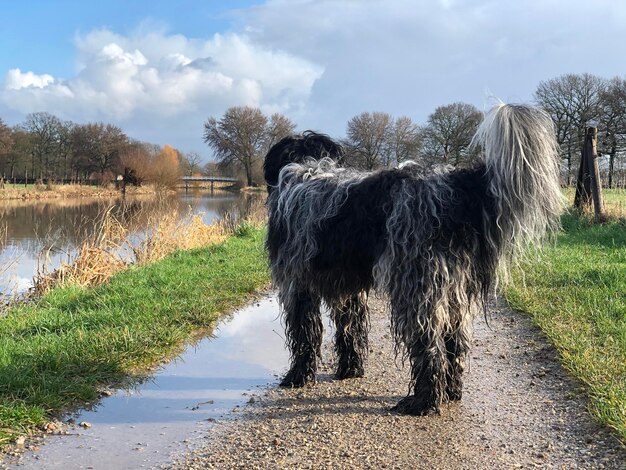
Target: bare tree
point(97, 147)
point(64, 147)
point(573, 100)
point(448, 133)
point(368, 140)
point(278, 127)
point(213, 168)
point(19, 153)
point(138, 157)
point(166, 170)
point(44, 128)
point(190, 163)
point(6, 144)
point(83, 148)
point(613, 122)
point(406, 139)
point(110, 141)
point(5, 138)
point(243, 135)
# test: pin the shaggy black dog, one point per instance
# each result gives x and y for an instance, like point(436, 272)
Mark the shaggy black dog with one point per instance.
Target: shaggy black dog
point(434, 245)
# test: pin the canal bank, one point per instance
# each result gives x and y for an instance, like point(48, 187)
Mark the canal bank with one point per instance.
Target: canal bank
point(39, 235)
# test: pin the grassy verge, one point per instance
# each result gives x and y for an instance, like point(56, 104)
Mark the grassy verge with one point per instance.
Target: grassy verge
point(576, 293)
point(58, 352)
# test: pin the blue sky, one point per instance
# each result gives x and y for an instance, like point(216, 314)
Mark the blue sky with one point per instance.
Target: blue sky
point(38, 35)
point(159, 69)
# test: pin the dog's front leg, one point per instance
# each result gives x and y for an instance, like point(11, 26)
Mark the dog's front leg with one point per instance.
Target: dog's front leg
point(351, 329)
point(303, 327)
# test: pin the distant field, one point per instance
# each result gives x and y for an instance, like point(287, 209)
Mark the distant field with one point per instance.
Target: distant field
point(31, 191)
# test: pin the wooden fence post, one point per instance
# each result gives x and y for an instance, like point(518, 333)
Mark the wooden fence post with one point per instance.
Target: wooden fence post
point(582, 197)
point(591, 158)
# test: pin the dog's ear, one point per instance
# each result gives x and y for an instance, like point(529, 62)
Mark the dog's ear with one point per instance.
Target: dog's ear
point(277, 157)
point(318, 146)
point(297, 149)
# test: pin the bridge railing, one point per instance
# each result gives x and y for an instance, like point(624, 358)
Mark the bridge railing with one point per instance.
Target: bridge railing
point(216, 179)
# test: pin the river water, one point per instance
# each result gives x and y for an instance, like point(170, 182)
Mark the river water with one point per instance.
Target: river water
point(49, 231)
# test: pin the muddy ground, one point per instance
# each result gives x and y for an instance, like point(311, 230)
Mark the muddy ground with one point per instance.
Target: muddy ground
point(520, 409)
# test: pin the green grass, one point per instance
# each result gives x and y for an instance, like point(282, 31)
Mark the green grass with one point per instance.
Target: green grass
point(614, 200)
point(57, 353)
point(576, 293)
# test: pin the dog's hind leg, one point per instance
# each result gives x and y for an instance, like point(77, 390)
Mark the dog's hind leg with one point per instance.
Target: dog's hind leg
point(303, 327)
point(428, 376)
point(351, 320)
point(457, 340)
point(420, 329)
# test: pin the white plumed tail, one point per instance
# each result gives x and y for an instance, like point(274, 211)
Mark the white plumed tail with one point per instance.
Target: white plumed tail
point(521, 156)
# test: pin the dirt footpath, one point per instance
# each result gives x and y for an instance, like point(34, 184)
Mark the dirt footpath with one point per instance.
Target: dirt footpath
point(519, 410)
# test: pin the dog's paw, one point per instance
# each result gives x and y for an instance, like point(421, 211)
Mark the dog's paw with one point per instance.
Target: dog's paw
point(415, 406)
point(350, 372)
point(297, 379)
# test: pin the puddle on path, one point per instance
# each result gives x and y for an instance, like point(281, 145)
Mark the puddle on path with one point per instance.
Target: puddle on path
point(146, 426)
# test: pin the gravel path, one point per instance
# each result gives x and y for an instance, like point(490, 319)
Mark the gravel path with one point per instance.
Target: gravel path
point(520, 409)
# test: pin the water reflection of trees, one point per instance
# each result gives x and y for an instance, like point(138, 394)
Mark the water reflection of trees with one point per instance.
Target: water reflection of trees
point(66, 223)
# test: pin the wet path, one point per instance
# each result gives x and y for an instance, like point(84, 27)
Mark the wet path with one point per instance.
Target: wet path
point(520, 409)
point(153, 423)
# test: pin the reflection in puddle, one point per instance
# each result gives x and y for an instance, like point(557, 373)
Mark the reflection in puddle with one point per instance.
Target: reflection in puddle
point(145, 426)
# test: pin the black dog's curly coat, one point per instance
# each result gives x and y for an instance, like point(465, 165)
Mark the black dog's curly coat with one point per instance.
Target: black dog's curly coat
point(433, 244)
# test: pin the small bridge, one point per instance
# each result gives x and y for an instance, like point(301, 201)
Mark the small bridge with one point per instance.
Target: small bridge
point(207, 179)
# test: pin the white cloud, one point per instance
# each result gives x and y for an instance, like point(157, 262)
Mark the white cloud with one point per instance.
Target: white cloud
point(166, 75)
point(323, 61)
point(155, 79)
point(410, 56)
point(16, 80)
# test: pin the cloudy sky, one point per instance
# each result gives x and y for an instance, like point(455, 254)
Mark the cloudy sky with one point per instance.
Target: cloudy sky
point(159, 69)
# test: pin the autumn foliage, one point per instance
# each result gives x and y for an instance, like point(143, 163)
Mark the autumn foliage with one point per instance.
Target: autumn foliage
point(161, 167)
point(166, 169)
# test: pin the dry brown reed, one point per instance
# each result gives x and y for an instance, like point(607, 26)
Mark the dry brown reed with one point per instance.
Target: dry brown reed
point(4, 265)
point(8, 294)
point(168, 234)
point(101, 256)
point(97, 259)
point(32, 192)
point(250, 211)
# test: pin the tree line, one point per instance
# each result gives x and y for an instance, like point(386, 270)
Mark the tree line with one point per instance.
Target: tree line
point(46, 148)
point(577, 101)
point(243, 135)
point(375, 140)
